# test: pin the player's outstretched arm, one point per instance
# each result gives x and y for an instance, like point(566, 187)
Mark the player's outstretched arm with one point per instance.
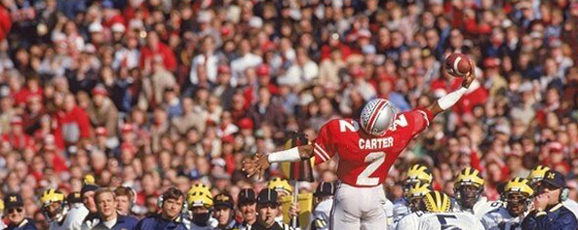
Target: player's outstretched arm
point(450, 99)
point(259, 163)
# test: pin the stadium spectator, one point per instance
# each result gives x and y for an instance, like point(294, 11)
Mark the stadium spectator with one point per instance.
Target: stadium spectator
point(102, 111)
point(224, 212)
point(549, 213)
point(17, 217)
point(170, 217)
point(268, 209)
point(108, 217)
point(88, 199)
point(124, 198)
point(247, 203)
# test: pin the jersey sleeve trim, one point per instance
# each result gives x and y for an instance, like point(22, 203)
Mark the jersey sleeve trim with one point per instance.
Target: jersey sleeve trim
point(427, 114)
point(319, 151)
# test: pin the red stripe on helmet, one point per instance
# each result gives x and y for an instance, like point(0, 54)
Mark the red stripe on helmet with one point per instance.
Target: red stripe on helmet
point(374, 115)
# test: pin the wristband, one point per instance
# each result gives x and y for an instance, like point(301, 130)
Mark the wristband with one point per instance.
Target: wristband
point(291, 154)
point(449, 100)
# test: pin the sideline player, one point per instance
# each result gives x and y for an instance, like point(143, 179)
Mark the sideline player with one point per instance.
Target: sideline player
point(367, 148)
point(56, 211)
point(415, 194)
point(416, 174)
point(468, 189)
point(517, 194)
point(200, 204)
point(435, 215)
point(412, 199)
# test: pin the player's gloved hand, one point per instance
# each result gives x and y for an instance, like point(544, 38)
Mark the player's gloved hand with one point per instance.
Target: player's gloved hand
point(256, 165)
point(470, 76)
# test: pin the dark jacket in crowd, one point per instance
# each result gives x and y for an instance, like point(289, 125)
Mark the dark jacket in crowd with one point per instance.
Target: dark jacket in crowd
point(557, 217)
point(26, 224)
point(156, 222)
point(122, 223)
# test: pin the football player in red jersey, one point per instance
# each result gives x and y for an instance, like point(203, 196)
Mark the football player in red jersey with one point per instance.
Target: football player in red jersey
point(367, 148)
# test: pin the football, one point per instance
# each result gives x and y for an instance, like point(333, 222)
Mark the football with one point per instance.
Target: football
point(458, 64)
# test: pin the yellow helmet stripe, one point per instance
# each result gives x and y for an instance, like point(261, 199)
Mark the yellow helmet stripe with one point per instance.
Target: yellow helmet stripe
point(446, 203)
point(52, 195)
point(519, 185)
point(429, 202)
point(438, 201)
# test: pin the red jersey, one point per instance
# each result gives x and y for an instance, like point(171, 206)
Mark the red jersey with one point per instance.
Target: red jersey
point(364, 160)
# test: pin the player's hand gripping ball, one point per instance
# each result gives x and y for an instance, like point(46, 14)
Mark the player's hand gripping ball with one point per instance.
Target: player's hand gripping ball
point(458, 65)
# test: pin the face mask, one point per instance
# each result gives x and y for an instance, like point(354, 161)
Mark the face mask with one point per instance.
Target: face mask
point(201, 218)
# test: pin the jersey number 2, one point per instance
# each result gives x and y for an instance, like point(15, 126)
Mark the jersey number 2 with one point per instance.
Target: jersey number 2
point(375, 159)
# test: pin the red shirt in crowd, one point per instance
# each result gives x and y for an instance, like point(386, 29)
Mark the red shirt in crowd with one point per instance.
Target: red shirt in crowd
point(19, 97)
point(141, 197)
point(114, 19)
point(129, 12)
point(326, 51)
point(22, 96)
point(163, 51)
point(19, 141)
point(5, 23)
point(251, 96)
point(67, 123)
point(57, 162)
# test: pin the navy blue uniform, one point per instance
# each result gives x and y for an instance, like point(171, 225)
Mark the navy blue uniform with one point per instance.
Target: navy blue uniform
point(122, 223)
point(558, 218)
point(276, 226)
point(156, 222)
point(233, 225)
point(26, 224)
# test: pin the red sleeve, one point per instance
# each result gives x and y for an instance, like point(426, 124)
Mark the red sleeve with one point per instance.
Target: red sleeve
point(169, 59)
point(475, 161)
point(83, 124)
point(323, 147)
point(145, 53)
point(59, 164)
point(325, 52)
point(248, 95)
point(505, 171)
point(419, 119)
point(345, 51)
point(5, 23)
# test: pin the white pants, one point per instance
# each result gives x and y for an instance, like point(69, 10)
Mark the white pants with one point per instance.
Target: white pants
point(357, 208)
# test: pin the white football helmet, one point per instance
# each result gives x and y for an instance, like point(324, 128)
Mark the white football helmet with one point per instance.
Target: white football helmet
point(377, 116)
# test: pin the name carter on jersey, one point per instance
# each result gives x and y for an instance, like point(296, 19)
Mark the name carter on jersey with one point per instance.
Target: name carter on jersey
point(376, 143)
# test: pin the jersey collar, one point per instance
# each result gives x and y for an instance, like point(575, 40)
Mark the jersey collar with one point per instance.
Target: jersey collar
point(555, 207)
point(24, 222)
